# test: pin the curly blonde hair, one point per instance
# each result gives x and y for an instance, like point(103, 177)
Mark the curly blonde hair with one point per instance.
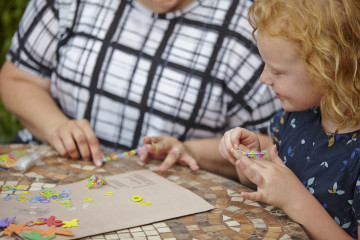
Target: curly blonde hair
point(326, 34)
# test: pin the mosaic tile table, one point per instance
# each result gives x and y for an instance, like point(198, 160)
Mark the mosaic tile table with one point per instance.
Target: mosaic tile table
point(232, 218)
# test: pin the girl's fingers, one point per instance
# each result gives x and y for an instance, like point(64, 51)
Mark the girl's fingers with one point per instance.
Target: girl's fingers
point(250, 169)
point(253, 196)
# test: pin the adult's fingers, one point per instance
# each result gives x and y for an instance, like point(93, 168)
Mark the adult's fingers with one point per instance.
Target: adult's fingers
point(171, 158)
point(56, 142)
point(66, 135)
point(88, 143)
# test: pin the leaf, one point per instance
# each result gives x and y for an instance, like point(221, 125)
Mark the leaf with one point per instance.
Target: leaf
point(310, 181)
point(346, 225)
point(331, 141)
point(340, 192)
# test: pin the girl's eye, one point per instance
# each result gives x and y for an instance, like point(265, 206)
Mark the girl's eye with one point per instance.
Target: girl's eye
point(275, 72)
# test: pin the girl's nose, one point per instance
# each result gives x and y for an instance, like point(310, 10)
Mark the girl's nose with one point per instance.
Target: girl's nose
point(266, 76)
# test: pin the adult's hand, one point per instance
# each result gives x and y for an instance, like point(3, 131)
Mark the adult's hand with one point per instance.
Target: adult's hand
point(170, 149)
point(76, 139)
point(28, 97)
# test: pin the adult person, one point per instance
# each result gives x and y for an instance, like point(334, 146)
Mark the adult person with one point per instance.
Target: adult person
point(91, 75)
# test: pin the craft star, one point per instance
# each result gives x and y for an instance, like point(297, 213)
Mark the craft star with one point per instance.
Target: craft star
point(5, 222)
point(52, 231)
point(51, 221)
point(15, 228)
point(72, 223)
point(35, 236)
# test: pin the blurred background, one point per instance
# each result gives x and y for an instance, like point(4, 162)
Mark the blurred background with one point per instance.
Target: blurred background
point(10, 13)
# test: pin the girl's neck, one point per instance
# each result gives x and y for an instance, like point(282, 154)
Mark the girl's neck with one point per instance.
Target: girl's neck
point(182, 4)
point(329, 127)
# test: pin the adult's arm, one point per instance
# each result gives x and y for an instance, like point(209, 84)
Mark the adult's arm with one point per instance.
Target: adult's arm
point(28, 97)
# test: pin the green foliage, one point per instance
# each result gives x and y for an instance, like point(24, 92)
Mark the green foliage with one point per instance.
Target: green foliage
point(10, 14)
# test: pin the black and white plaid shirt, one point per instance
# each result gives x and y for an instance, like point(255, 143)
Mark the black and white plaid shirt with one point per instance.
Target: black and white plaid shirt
point(189, 74)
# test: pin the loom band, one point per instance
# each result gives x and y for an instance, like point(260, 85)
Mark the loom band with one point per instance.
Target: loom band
point(66, 192)
point(10, 163)
point(265, 153)
point(65, 201)
point(47, 192)
point(5, 188)
point(7, 198)
point(145, 203)
point(89, 200)
point(44, 201)
point(68, 205)
point(25, 192)
point(29, 224)
point(50, 191)
point(19, 186)
point(40, 197)
point(39, 222)
point(109, 194)
point(136, 198)
point(65, 198)
point(33, 200)
point(57, 197)
point(22, 198)
point(156, 148)
point(237, 153)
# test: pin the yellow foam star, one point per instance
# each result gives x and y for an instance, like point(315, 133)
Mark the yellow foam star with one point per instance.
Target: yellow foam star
point(72, 223)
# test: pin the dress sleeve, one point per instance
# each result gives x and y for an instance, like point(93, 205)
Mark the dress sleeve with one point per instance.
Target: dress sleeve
point(33, 46)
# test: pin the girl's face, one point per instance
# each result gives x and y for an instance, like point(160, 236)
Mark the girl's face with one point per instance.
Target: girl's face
point(285, 72)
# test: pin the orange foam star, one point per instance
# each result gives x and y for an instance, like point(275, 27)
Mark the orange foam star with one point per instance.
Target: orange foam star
point(16, 228)
point(52, 231)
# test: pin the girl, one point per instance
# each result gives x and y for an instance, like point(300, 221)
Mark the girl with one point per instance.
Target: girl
point(311, 54)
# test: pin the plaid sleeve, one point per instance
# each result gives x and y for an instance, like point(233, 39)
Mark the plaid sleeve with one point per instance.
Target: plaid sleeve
point(34, 44)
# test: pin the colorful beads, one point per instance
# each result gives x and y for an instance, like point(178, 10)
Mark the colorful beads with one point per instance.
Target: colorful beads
point(252, 154)
point(95, 181)
point(124, 154)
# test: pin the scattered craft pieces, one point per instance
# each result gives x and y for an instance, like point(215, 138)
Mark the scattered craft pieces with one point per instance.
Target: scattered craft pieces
point(36, 236)
point(145, 203)
point(16, 229)
point(136, 198)
point(72, 223)
point(52, 231)
point(5, 222)
point(95, 181)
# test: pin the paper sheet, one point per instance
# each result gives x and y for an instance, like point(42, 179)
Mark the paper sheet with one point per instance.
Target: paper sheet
point(109, 213)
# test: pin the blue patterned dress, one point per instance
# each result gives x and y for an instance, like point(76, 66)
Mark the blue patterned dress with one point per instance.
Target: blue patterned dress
point(327, 164)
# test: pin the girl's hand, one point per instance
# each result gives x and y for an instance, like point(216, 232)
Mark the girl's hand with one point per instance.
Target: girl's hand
point(233, 138)
point(276, 184)
point(170, 149)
